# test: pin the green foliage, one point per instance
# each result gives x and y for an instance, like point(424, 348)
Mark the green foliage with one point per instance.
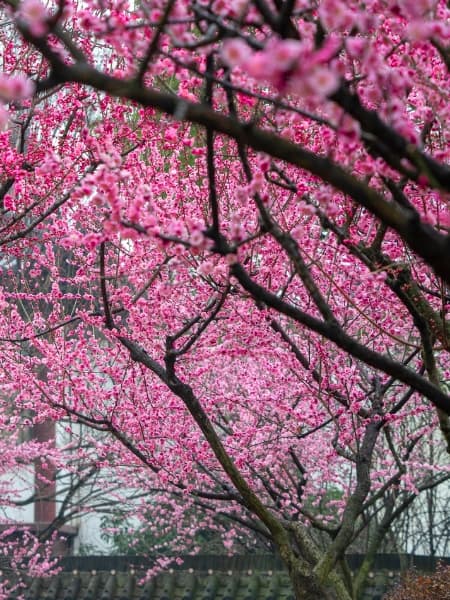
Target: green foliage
point(127, 539)
point(89, 550)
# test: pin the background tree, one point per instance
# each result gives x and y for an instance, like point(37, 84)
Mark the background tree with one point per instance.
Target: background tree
point(253, 199)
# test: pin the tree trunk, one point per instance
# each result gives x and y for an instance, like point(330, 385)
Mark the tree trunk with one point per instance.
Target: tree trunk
point(308, 587)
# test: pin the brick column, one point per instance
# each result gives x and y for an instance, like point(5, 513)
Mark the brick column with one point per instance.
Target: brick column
point(44, 476)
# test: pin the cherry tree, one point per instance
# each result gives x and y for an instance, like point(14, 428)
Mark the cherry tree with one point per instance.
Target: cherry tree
point(225, 246)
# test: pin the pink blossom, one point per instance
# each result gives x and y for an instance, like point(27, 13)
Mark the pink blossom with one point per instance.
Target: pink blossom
point(264, 163)
point(298, 232)
point(196, 238)
point(348, 127)
point(235, 52)
point(4, 118)
point(259, 65)
point(90, 22)
point(283, 54)
point(335, 15)
point(415, 8)
point(355, 46)
point(237, 232)
point(229, 8)
point(329, 49)
point(419, 30)
point(322, 81)
point(206, 268)
point(35, 15)
point(93, 162)
point(15, 87)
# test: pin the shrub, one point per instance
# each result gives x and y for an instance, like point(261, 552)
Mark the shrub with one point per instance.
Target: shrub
point(418, 586)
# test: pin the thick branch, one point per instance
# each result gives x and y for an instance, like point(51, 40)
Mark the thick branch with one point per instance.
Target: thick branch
point(344, 341)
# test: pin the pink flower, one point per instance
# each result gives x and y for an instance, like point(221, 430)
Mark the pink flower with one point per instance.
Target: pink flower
point(260, 66)
point(231, 259)
point(355, 46)
point(334, 14)
point(15, 87)
point(349, 128)
point(283, 54)
point(419, 30)
point(90, 22)
point(264, 163)
point(4, 118)
point(235, 52)
point(415, 8)
point(205, 268)
point(297, 232)
point(229, 8)
point(197, 238)
point(322, 81)
point(34, 13)
point(237, 232)
point(328, 51)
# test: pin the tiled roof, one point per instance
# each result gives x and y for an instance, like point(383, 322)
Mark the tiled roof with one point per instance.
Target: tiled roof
point(239, 577)
point(176, 585)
